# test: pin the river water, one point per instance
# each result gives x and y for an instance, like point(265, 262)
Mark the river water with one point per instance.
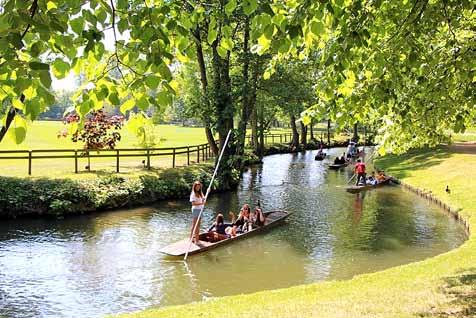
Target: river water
point(92, 265)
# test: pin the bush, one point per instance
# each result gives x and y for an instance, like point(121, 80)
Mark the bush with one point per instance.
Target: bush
point(55, 197)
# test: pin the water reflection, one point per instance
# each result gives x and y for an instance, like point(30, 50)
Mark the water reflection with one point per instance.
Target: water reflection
point(92, 265)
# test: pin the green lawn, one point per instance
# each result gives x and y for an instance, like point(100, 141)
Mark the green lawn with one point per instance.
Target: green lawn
point(442, 286)
point(44, 135)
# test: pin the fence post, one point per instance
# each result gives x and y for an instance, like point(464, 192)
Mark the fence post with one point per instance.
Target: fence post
point(29, 162)
point(173, 159)
point(148, 159)
point(198, 154)
point(117, 161)
point(75, 161)
point(188, 156)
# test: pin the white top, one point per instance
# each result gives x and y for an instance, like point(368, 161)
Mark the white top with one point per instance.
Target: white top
point(195, 199)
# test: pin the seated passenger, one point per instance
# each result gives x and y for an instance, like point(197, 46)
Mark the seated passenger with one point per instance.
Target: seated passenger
point(217, 231)
point(381, 176)
point(240, 224)
point(371, 179)
point(337, 161)
point(258, 218)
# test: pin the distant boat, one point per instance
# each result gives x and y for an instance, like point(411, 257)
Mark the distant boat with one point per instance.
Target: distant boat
point(337, 166)
point(357, 188)
point(320, 156)
point(179, 248)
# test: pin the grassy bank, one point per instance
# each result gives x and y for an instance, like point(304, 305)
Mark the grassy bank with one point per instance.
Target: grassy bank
point(442, 286)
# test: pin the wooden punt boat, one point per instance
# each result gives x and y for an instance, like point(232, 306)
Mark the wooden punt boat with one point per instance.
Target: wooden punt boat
point(357, 189)
point(179, 248)
point(320, 157)
point(337, 166)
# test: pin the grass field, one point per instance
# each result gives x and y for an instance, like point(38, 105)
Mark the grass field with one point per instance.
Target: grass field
point(442, 286)
point(44, 135)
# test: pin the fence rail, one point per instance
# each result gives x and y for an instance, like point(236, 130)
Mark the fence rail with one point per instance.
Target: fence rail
point(194, 154)
point(187, 154)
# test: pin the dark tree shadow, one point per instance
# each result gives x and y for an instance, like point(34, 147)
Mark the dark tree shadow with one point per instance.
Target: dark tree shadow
point(461, 293)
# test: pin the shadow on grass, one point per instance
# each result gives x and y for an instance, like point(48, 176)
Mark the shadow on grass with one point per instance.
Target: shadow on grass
point(416, 159)
point(461, 293)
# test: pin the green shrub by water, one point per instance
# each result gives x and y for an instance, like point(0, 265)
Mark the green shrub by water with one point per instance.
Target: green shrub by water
point(20, 197)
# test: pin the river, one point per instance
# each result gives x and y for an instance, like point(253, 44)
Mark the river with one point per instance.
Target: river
point(104, 263)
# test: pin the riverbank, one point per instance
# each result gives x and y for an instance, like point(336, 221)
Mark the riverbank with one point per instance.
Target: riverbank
point(441, 286)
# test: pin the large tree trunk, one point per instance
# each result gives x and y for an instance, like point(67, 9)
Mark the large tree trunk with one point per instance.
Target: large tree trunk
point(295, 140)
point(303, 135)
point(246, 96)
point(356, 133)
point(262, 128)
point(204, 81)
point(254, 130)
point(223, 104)
point(311, 127)
point(328, 133)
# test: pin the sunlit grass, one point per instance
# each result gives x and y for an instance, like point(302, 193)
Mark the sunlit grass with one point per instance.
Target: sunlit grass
point(439, 286)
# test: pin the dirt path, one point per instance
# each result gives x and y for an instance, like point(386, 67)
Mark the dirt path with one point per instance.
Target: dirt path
point(464, 147)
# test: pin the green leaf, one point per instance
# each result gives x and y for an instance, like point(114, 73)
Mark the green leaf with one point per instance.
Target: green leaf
point(35, 49)
point(37, 66)
point(18, 104)
point(317, 28)
point(17, 129)
point(128, 105)
point(222, 52)
point(152, 81)
point(60, 68)
point(15, 40)
point(165, 72)
point(77, 25)
point(50, 5)
point(164, 98)
point(45, 78)
point(142, 103)
point(114, 99)
point(230, 7)
point(249, 6)
point(212, 35)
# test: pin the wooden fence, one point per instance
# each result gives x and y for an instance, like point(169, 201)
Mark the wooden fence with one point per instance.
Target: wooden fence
point(187, 154)
point(194, 154)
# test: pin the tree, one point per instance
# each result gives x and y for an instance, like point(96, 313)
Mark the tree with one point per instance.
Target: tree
point(406, 66)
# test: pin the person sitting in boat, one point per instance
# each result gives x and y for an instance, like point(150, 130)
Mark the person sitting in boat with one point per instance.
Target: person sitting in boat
point(381, 176)
point(337, 161)
point(240, 225)
point(342, 158)
point(372, 179)
point(217, 230)
point(258, 218)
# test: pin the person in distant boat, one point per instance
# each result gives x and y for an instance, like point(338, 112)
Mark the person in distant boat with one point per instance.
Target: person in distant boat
point(342, 158)
point(198, 201)
point(240, 225)
point(258, 218)
point(320, 152)
point(360, 171)
point(381, 176)
point(337, 161)
point(217, 230)
point(372, 179)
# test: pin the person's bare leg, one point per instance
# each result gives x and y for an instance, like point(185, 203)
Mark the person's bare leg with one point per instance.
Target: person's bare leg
point(192, 236)
point(197, 231)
